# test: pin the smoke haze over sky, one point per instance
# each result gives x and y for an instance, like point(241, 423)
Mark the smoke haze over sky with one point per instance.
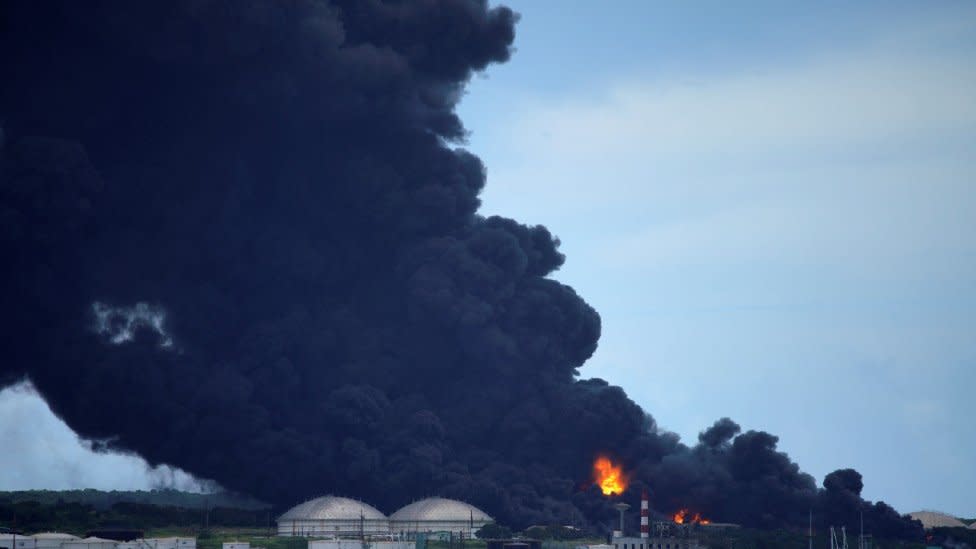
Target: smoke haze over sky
point(772, 212)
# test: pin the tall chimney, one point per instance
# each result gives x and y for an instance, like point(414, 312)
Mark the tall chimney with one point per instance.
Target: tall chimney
point(645, 511)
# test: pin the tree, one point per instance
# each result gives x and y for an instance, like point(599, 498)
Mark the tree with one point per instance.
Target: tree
point(493, 531)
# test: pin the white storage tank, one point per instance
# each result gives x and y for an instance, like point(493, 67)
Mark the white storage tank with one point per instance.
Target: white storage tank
point(52, 540)
point(333, 517)
point(438, 515)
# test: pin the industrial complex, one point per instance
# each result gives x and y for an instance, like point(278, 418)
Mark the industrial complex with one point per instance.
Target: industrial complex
point(334, 522)
point(666, 535)
point(330, 522)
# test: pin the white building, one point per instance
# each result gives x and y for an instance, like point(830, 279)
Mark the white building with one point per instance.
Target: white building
point(333, 517)
point(16, 541)
point(56, 540)
point(438, 515)
point(668, 542)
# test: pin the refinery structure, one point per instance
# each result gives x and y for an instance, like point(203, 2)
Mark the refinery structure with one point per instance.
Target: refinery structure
point(334, 522)
point(665, 535)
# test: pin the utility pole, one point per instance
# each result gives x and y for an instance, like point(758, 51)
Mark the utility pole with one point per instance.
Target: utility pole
point(810, 532)
point(206, 513)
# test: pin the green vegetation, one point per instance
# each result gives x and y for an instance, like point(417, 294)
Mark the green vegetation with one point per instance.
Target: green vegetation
point(493, 531)
point(78, 518)
point(103, 500)
point(553, 532)
point(955, 536)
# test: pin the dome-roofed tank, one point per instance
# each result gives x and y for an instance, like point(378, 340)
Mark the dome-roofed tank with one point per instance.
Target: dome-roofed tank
point(332, 516)
point(52, 540)
point(438, 515)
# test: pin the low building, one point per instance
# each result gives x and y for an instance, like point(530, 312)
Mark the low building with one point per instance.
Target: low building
point(17, 541)
point(520, 543)
point(667, 542)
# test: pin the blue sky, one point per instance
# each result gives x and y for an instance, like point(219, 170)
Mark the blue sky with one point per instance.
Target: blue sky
point(771, 205)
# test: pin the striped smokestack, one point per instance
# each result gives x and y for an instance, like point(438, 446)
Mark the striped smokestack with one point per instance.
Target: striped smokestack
point(645, 510)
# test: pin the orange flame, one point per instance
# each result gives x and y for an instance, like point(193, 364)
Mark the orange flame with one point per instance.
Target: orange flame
point(684, 515)
point(609, 477)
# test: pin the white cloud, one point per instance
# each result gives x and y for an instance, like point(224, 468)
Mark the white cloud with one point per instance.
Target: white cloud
point(838, 101)
point(858, 161)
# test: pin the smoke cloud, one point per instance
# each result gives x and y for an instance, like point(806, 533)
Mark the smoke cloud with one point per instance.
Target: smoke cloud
point(241, 238)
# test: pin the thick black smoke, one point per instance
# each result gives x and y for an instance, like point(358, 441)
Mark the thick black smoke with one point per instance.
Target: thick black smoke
point(239, 237)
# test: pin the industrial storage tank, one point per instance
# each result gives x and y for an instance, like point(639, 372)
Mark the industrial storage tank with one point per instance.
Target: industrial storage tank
point(333, 516)
point(438, 515)
point(52, 540)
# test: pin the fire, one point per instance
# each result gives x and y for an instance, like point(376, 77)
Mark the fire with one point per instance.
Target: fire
point(609, 477)
point(684, 515)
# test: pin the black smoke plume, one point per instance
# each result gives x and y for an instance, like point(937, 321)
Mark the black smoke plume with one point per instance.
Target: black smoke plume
point(241, 237)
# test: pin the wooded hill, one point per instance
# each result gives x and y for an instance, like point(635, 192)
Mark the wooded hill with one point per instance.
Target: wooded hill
point(78, 511)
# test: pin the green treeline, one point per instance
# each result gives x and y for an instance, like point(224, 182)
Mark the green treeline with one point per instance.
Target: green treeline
point(103, 499)
point(78, 518)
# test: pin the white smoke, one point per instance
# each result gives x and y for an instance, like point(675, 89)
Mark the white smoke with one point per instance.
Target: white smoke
point(42, 452)
point(120, 323)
